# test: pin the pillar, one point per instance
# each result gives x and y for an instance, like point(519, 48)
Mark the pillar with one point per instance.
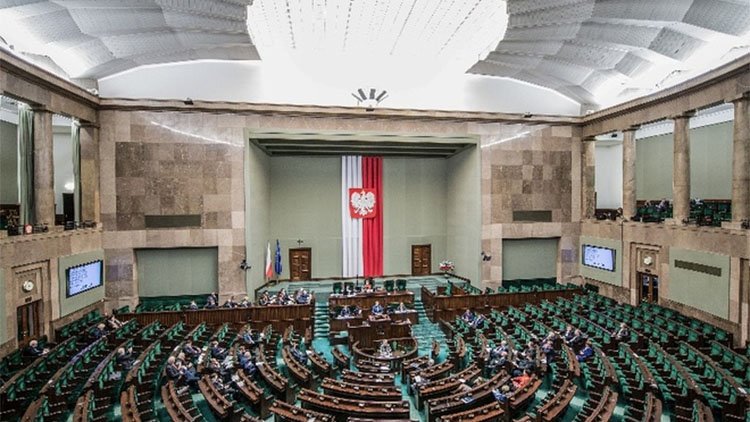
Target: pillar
point(628, 173)
point(44, 169)
point(588, 178)
point(740, 159)
point(681, 169)
point(89, 172)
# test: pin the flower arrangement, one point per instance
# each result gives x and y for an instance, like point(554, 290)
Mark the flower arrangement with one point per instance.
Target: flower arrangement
point(447, 266)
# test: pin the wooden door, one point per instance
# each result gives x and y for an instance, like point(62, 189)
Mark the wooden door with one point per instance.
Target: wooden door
point(421, 259)
point(649, 287)
point(29, 324)
point(300, 264)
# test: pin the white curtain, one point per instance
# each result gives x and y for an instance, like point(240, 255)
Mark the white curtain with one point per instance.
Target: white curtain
point(351, 228)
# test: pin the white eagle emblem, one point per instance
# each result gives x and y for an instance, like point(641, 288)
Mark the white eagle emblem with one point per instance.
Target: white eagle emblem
point(362, 202)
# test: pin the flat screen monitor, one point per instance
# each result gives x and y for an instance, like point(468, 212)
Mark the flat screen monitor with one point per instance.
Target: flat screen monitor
point(599, 257)
point(84, 277)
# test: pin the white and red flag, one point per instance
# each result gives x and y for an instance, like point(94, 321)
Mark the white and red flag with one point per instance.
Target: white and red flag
point(362, 215)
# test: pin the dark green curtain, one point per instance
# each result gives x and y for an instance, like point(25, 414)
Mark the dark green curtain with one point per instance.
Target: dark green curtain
point(26, 163)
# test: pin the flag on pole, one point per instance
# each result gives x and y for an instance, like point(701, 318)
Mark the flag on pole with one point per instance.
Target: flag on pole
point(277, 263)
point(269, 266)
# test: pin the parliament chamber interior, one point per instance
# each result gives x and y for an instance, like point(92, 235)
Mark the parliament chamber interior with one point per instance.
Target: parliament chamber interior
point(393, 210)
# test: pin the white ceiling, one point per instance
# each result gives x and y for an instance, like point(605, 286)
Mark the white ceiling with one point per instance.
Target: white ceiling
point(606, 51)
point(96, 38)
point(596, 52)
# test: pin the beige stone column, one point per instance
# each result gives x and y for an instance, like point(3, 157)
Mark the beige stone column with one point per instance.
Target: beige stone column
point(89, 172)
point(588, 178)
point(628, 173)
point(741, 159)
point(681, 168)
point(44, 168)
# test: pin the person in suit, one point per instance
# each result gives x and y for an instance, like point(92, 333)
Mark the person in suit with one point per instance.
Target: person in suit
point(265, 299)
point(344, 312)
point(99, 331)
point(586, 352)
point(578, 339)
point(548, 349)
point(401, 308)
point(124, 358)
point(113, 323)
point(190, 350)
point(193, 306)
point(34, 350)
point(568, 334)
point(499, 349)
point(282, 297)
point(385, 349)
point(218, 352)
point(478, 321)
point(468, 316)
point(230, 303)
point(299, 354)
point(622, 333)
point(212, 301)
point(303, 297)
point(377, 308)
point(172, 369)
point(245, 303)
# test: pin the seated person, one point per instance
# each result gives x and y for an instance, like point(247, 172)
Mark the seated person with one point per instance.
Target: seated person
point(282, 297)
point(124, 358)
point(501, 395)
point(578, 339)
point(377, 308)
point(499, 349)
point(212, 301)
point(468, 316)
point(434, 350)
point(401, 308)
point(265, 299)
point(367, 288)
point(463, 387)
point(34, 350)
point(419, 381)
point(349, 290)
point(531, 350)
point(303, 297)
point(622, 333)
point(498, 362)
point(218, 352)
point(586, 352)
point(548, 349)
point(176, 371)
point(113, 323)
point(478, 321)
point(522, 380)
point(245, 303)
point(355, 311)
point(219, 385)
point(230, 303)
point(385, 349)
point(345, 312)
point(568, 334)
point(214, 367)
point(100, 331)
point(193, 306)
point(299, 354)
point(247, 338)
point(191, 351)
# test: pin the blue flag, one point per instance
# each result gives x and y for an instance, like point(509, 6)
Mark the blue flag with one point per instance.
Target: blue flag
point(277, 261)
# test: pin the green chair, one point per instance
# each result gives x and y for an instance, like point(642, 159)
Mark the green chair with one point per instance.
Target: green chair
point(337, 287)
point(389, 285)
point(401, 284)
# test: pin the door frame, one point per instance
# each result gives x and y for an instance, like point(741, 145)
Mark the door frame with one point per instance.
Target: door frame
point(411, 258)
point(651, 276)
point(291, 251)
point(36, 306)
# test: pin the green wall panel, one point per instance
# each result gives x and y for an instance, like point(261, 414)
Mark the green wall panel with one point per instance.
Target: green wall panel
point(464, 213)
point(257, 171)
point(8, 163)
point(177, 271)
point(610, 277)
point(529, 258)
point(69, 305)
point(710, 164)
point(709, 293)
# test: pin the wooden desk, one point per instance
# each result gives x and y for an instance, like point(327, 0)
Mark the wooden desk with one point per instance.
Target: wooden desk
point(492, 412)
point(297, 370)
point(343, 408)
point(406, 348)
point(445, 386)
point(554, 408)
point(254, 395)
point(482, 394)
point(366, 378)
point(278, 384)
point(605, 408)
point(356, 391)
point(290, 413)
point(367, 300)
point(340, 358)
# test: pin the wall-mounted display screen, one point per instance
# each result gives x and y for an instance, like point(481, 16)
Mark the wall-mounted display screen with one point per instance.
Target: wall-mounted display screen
point(84, 277)
point(599, 257)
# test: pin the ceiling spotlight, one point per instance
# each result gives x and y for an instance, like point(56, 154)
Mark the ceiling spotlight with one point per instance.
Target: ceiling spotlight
point(369, 99)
